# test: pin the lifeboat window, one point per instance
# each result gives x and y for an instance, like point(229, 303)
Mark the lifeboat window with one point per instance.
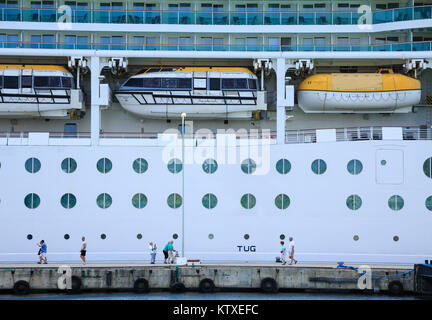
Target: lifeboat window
point(41, 82)
point(66, 82)
point(1, 82)
point(152, 82)
point(184, 83)
point(26, 81)
point(10, 82)
point(54, 82)
point(252, 84)
point(215, 84)
point(234, 84)
point(169, 83)
point(134, 83)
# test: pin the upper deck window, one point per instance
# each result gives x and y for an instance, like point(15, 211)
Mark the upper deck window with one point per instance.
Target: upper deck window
point(152, 82)
point(215, 84)
point(26, 81)
point(252, 84)
point(66, 82)
point(47, 82)
point(234, 84)
point(10, 82)
point(134, 83)
point(1, 82)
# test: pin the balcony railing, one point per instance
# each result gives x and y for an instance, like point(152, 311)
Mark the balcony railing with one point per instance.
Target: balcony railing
point(215, 17)
point(399, 46)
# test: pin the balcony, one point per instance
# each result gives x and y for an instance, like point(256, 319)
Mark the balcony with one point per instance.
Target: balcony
point(273, 17)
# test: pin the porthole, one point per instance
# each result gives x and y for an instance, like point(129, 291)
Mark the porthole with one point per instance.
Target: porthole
point(282, 237)
point(68, 201)
point(211, 236)
point(139, 236)
point(174, 200)
point(427, 167)
point(104, 200)
point(175, 236)
point(248, 166)
point(428, 203)
point(103, 236)
point(29, 237)
point(395, 238)
point(383, 162)
point(104, 165)
point(140, 165)
point(175, 165)
point(354, 202)
point(210, 166)
point(396, 202)
point(139, 200)
point(283, 166)
point(319, 166)
point(248, 201)
point(32, 165)
point(32, 201)
point(246, 236)
point(356, 238)
point(68, 165)
point(66, 236)
point(209, 201)
point(282, 201)
point(354, 166)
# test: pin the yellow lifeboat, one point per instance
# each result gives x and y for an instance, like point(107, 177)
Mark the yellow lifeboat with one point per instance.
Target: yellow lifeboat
point(380, 92)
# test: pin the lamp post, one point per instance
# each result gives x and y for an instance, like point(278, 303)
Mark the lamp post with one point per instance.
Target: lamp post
point(183, 116)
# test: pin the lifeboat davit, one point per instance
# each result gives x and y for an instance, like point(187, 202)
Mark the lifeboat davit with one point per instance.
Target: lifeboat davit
point(382, 92)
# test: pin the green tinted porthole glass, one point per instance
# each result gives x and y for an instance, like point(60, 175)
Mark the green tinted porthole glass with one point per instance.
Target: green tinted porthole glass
point(283, 166)
point(209, 201)
point(32, 165)
point(32, 201)
point(282, 201)
point(356, 237)
point(246, 236)
point(396, 202)
point(103, 236)
point(175, 165)
point(139, 200)
point(139, 236)
point(66, 236)
point(248, 201)
point(140, 165)
point(68, 165)
point(429, 203)
point(211, 236)
point(354, 166)
point(104, 165)
point(282, 237)
point(383, 162)
point(427, 167)
point(104, 200)
point(68, 201)
point(174, 200)
point(210, 166)
point(175, 236)
point(248, 166)
point(354, 202)
point(319, 166)
point(29, 237)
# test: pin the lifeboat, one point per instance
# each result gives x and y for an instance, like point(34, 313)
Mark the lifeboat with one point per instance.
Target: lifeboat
point(38, 91)
point(382, 92)
point(201, 92)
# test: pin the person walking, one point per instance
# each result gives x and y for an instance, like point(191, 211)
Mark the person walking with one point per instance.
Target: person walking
point(167, 251)
point(291, 251)
point(283, 252)
point(153, 250)
point(42, 252)
point(83, 250)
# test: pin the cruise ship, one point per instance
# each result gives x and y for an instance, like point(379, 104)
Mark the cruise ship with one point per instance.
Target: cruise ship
point(225, 125)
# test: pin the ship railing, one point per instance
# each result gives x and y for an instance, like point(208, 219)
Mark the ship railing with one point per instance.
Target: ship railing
point(256, 47)
point(250, 15)
point(69, 135)
point(19, 135)
point(417, 133)
point(360, 133)
point(129, 135)
point(300, 136)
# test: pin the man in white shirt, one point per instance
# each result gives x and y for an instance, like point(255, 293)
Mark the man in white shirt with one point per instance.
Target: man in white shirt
point(83, 250)
point(291, 250)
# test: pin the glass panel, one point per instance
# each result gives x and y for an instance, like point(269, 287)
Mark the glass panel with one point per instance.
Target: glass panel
point(248, 166)
point(68, 201)
point(396, 202)
point(283, 166)
point(174, 200)
point(319, 166)
point(104, 165)
point(32, 165)
point(140, 165)
point(353, 202)
point(175, 166)
point(282, 201)
point(210, 165)
point(248, 201)
point(104, 200)
point(209, 201)
point(354, 167)
point(68, 165)
point(139, 200)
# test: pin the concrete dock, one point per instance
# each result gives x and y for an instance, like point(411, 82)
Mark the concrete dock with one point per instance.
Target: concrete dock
point(205, 277)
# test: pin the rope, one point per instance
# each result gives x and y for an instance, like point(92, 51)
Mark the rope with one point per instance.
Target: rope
point(382, 275)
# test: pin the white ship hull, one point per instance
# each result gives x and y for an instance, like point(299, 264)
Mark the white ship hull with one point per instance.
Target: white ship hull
point(317, 217)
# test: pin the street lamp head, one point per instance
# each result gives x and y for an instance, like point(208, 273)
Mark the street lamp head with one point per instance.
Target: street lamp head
point(183, 115)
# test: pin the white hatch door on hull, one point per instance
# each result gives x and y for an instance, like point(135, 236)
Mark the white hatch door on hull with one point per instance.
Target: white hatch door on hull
point(389, 164)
